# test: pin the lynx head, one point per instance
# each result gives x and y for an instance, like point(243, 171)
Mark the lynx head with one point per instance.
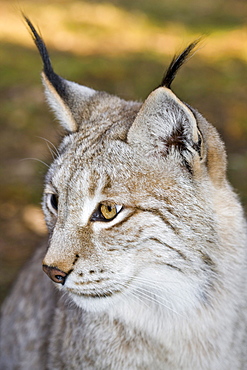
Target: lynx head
point(130, 199)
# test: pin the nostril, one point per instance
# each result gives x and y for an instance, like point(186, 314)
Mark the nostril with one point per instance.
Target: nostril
point(55, 274)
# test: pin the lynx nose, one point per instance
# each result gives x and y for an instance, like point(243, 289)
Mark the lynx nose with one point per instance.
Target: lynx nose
point(55, 274)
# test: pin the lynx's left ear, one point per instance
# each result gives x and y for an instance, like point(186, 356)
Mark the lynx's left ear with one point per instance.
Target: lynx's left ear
point(66, 98)
point(164, 125)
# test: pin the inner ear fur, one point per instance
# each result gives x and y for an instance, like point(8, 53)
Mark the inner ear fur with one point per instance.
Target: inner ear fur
point(164, 124)
point(67, 100)
point(216, 160)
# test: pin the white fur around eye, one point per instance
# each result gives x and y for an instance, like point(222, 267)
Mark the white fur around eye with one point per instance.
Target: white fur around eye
point(118, 208)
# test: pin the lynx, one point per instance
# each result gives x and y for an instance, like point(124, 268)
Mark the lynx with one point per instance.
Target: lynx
point(147, 241)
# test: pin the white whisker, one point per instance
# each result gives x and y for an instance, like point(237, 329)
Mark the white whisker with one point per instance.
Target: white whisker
point(53, 154)
point(155, 300)
point(162, 288)
point(35, 159)
point(49, 142)
point(135, 296)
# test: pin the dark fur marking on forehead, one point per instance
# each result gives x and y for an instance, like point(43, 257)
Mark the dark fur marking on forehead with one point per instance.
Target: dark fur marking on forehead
point(56, 81)
point(176, 63)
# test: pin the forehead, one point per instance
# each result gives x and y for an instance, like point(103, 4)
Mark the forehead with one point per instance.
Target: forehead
point(109, 167)
point(108, 158)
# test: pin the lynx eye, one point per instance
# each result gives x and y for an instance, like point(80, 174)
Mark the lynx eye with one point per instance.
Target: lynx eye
point(106, 212)
point(52, 202)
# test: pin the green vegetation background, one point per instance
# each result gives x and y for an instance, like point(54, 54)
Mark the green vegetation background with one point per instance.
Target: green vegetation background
point(122, 47)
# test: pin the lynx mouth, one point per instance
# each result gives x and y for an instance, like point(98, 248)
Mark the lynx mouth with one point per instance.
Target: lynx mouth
point(93, 294)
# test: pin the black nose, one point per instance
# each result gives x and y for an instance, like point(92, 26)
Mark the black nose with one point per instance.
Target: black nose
point(55, 274)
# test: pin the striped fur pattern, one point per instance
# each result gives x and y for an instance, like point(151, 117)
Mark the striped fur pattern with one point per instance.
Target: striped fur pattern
point(146, 238)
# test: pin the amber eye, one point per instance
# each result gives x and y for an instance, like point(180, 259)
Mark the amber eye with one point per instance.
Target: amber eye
point(106, 212)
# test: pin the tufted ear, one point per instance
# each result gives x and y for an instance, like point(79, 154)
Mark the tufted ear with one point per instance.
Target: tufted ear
point(66, 98)
point(163, 125)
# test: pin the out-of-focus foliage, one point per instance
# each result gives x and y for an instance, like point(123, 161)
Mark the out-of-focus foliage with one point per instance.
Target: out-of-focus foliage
point(123, 47)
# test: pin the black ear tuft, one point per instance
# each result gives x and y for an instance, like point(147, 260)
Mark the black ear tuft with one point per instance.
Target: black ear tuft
point(54, 79)
point(41, 47)
point(176, 63)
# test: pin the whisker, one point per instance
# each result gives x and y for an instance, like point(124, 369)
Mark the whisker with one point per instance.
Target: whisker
point(163, 283)
point(155, 300)
point(163, 289)
point(53, 154)
point(49, 142)
point(167, 292)
point(135, 296)
point(35, 159)
point(148, 295)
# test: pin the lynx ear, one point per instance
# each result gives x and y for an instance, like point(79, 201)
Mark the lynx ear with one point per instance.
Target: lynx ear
point(165, 124)
point(64, 97)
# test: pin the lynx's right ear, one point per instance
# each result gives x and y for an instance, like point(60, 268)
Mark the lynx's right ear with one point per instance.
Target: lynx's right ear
point(66, 98)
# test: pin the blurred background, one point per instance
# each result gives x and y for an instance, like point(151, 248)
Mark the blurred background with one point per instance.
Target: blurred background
point(122, 47)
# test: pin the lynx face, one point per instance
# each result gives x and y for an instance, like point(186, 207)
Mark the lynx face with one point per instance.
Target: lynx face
point(130, 201)
point(127, 225)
